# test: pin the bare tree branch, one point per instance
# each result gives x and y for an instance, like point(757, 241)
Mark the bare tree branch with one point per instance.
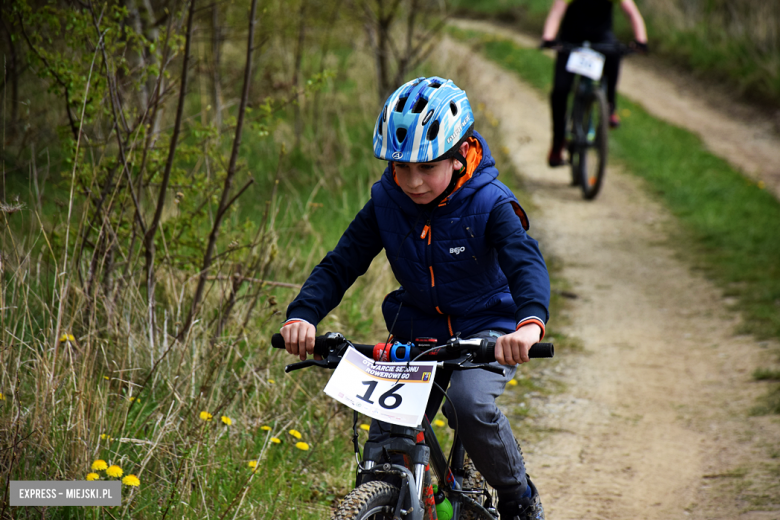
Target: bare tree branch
point(225, 201)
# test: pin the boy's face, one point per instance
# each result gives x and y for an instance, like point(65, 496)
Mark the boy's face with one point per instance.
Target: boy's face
point(423, 182)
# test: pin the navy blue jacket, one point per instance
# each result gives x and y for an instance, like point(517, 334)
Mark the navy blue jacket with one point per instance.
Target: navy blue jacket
point(465, 266)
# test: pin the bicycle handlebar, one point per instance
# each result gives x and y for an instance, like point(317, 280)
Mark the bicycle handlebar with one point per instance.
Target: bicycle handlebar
point(612, 48)
point(332, 346)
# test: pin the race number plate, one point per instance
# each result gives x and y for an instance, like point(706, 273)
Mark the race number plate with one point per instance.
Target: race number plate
point(392, 392)
point(586, 62)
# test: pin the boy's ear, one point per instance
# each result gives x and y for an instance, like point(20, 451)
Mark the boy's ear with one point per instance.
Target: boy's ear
point(464, 151)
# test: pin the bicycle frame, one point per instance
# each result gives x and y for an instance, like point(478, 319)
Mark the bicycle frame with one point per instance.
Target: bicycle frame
point(581, 88)
point(421, 448)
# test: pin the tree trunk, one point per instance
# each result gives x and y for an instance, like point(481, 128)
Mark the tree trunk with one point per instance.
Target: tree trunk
point(226, 200)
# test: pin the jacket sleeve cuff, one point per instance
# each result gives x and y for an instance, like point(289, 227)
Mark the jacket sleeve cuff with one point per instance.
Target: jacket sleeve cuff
point(295, 320)
point(535, 320)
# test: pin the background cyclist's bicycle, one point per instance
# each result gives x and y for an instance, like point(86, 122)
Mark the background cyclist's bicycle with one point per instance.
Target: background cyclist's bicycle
point(588, 117)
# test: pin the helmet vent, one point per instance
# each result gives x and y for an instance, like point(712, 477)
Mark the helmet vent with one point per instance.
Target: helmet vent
point(400, 134)
point(435, 85)
point(433, 131)
point(419, 106)
point(384, 114)
point(399, 107)
point(454, 108)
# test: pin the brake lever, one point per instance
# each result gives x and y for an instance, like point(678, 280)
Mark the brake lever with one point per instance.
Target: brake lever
point(483, 366)
point(465, 363)
point(331, 361)
point(305, 364)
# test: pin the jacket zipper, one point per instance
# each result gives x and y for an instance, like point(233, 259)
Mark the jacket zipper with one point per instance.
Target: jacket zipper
point(427, 232)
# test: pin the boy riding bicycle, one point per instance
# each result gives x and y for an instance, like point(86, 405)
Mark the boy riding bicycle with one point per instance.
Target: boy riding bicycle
point(579, 21)
point(456, 240)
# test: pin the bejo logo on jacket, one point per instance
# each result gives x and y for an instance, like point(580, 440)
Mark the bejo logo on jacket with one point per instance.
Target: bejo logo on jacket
point(457, 250)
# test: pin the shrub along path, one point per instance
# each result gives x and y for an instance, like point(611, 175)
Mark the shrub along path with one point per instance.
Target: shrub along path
point(654, 420)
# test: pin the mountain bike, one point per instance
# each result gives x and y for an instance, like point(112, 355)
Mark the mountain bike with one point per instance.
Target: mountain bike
point(395, 479)
point(588, 118)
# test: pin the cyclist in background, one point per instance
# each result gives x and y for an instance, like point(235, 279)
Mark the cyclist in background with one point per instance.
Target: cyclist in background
point(439, 208)
point(576, 21)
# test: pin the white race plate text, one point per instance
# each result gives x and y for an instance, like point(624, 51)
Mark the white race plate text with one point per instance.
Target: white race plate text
point(392, 392)
point(586, 62)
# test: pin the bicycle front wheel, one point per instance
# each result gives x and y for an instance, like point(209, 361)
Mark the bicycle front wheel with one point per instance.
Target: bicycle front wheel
point(370, 501)
point(592, 139)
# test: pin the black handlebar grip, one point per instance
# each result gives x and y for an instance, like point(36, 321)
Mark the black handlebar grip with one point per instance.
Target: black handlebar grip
point(487, 353)
point(320, 345)
point(541, 350)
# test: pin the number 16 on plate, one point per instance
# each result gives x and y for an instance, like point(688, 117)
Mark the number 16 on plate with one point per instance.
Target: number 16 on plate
point(392, 392)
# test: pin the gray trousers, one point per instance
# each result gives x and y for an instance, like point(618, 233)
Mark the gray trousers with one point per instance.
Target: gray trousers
point(482, 428)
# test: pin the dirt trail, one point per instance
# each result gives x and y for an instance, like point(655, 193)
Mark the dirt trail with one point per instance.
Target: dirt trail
point(653, 423)
point(742, 135)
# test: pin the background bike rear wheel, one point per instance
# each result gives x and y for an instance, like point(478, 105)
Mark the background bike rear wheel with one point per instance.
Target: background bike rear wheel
point(592, 157)
point(370, 501)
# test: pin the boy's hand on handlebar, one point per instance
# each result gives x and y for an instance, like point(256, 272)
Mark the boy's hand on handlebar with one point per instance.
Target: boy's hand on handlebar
point(548, 44)
point(512, 349)
point(299, 339)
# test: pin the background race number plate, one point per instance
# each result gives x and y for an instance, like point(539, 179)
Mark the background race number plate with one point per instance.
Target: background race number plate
point(392, 392)
point(586, 62)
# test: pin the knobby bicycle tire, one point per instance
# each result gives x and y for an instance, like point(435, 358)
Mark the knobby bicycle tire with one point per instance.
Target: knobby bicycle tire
point(373, 500)
point(593, 128)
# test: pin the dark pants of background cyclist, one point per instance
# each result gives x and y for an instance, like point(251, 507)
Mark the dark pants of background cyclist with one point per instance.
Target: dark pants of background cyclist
point(563, 82)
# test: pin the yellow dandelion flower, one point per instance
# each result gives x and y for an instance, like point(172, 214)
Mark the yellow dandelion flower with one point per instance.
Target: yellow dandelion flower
point(271, 381)
point(107, 378)
point(131, 480)
point(135, 399)
point(513, 382)
point(438, 422)
point(205, 416)
point(275, 440)
point(227, 420)
point(296, 434)
point(761, 185)
point(302, 446)
point(364, 427)
point(105, 437)
point(92, 476)
point(99, 465)
point(67, 337)
point(265, 428)
point(252, 464)
point(625, 112)
point(2, 397)
point(114, 471)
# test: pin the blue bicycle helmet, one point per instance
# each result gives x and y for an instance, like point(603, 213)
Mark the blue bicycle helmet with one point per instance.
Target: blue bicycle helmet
point(425, 120)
